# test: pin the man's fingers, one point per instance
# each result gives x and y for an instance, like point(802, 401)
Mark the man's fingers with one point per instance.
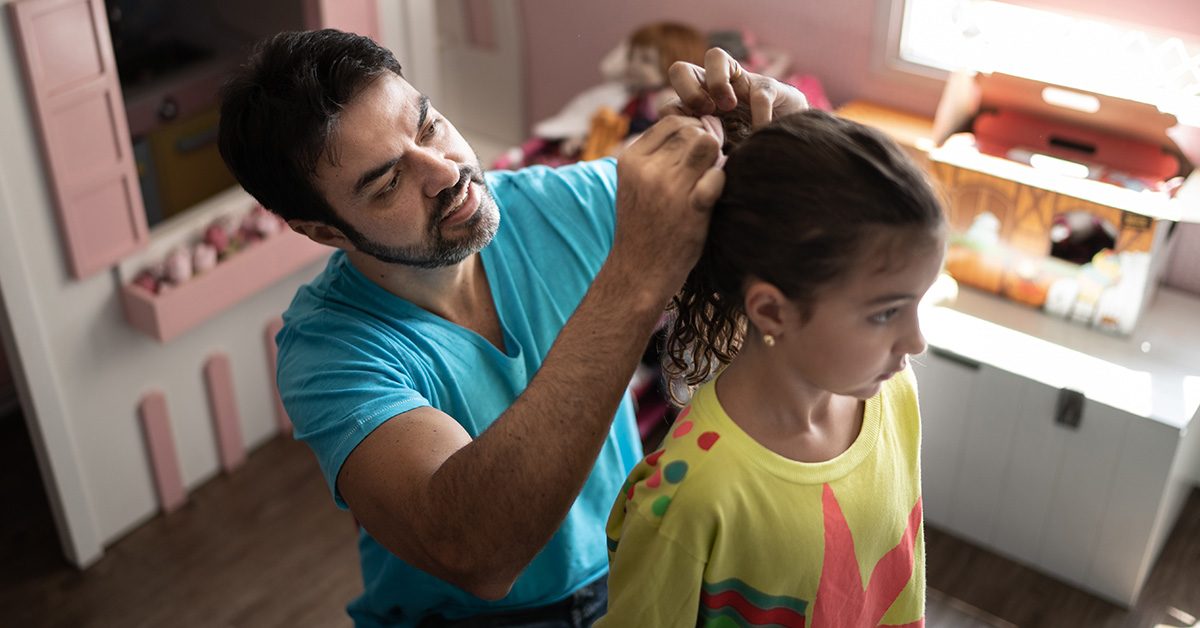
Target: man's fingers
point(693, 142)
point(714, 128)
point(662, 132)
point(673, 107)
point(702, 151)
point(689, 83)
point(722, 75)
point(722, 83)
point(762, 104)
point(708, 189)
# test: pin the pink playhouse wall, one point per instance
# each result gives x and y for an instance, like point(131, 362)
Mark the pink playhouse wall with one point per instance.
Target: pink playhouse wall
point(835, 41)
point(564, 41)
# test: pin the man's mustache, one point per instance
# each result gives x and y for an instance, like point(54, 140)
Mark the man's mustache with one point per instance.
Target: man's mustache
point(447, 197)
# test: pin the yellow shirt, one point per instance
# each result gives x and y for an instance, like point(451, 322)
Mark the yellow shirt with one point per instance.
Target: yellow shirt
point(715, 530)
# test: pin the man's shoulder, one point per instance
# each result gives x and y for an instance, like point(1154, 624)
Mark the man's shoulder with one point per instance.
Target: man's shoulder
point(580, 177)
point(558, 209)
point(318, 299)
point(338, 304)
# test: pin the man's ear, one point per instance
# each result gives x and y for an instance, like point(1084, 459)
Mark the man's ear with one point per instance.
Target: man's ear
point(321, 233)
point(766, 307)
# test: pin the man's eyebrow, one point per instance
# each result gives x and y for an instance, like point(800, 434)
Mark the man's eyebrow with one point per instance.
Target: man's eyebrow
point(378, 171)
point(374, 174)
point(422, 111)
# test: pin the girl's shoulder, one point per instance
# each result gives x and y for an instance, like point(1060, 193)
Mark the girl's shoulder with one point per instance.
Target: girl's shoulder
point(688, 470)
point(899, 395)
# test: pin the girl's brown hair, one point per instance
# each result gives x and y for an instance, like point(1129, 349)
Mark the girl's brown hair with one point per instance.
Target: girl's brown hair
point(801, 197)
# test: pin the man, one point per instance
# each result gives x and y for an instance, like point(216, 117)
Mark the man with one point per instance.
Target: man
point(457, 366)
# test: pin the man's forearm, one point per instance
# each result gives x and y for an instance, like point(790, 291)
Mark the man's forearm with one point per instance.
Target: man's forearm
point(501, 498)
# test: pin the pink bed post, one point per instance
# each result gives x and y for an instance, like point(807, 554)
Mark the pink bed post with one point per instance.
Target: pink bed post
point(164, 461)
point(223, 405)
point(281, 418)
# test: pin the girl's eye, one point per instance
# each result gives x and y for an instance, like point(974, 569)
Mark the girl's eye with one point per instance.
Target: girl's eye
point(884, 316)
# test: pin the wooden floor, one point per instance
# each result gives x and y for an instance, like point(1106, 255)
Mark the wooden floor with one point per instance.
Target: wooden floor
point(262, 547)
point(265, 547)
point(1025, 598)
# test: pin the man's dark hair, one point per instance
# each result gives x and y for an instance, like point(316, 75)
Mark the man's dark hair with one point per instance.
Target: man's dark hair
point(280, 110)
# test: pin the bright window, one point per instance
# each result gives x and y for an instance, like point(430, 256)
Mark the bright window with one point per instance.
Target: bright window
point(1084, 54)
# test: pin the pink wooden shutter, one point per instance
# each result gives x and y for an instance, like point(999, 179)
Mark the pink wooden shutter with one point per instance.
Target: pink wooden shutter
point(75, 95)
point(352, 16)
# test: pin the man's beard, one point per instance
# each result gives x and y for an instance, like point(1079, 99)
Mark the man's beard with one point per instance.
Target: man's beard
point(436, 250)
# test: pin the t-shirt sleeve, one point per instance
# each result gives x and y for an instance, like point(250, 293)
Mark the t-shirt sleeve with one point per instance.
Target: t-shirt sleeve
point(360, 384)
point(903, 402)
point(654, 582)
point(570, 210)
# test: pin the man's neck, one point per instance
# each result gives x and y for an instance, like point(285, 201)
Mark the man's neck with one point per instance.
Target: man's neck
point(459, 293)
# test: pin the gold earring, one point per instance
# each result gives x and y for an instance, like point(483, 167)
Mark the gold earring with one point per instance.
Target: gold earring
point(769, 340)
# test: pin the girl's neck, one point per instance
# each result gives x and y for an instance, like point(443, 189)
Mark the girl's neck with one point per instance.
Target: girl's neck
point(791, 418)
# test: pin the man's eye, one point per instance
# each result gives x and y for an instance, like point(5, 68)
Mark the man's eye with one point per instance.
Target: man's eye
point(432, 129)
point(391, 185)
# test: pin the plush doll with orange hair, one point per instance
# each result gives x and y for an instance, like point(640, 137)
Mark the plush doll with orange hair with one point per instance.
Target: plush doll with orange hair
point(651, 51)
point(604, 119)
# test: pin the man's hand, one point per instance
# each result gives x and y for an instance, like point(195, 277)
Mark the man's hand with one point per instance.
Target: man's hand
point(667, 182)
point(722, 84)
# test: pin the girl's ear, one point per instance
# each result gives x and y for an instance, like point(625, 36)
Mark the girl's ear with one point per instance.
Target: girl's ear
point(321, 233)
point(765, 307)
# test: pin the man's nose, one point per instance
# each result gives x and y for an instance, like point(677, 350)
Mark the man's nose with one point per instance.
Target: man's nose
point(438, 171)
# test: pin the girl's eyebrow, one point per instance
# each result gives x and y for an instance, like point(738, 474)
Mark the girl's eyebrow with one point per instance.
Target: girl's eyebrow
point(888, 298)
point(378, 171)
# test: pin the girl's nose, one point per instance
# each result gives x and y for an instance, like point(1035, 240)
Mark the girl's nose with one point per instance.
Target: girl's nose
point(913, 342)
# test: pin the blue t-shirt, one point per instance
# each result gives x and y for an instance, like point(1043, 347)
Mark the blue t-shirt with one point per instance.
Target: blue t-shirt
point(352, 355)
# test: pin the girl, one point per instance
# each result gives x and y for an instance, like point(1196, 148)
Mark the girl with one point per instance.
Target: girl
point(787, 493)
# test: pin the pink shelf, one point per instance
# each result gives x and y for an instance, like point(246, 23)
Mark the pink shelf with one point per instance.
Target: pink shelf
point(179, 308)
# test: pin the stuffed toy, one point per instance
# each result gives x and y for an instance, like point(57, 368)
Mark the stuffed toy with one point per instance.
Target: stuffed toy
point(603, 120)
point(600, 121)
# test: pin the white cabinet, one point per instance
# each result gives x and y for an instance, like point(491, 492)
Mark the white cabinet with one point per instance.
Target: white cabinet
point(944, 387)
point(1089, 504)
